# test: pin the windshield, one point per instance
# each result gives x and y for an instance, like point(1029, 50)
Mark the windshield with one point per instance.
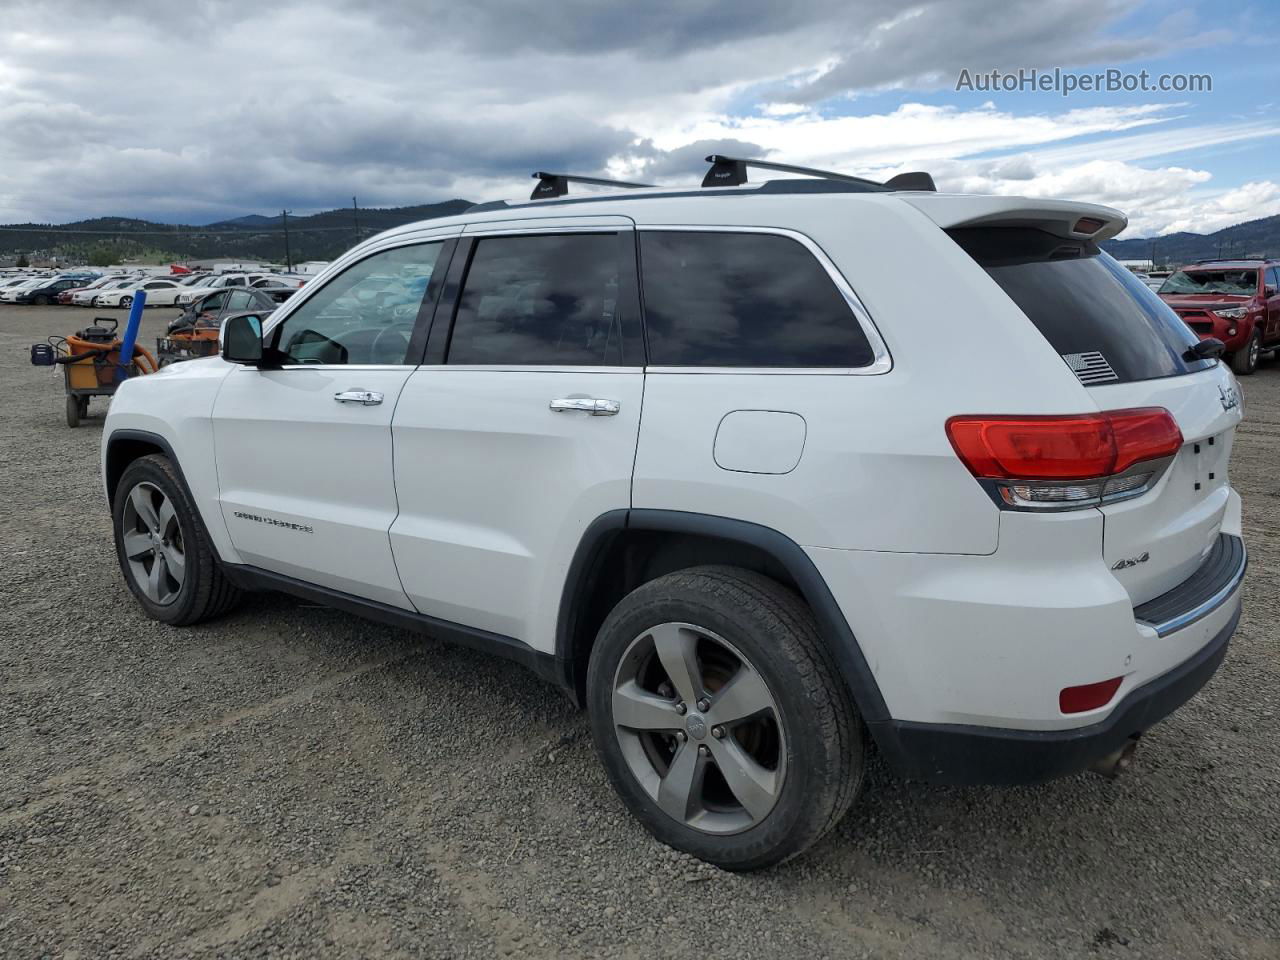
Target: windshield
point(1238, 283)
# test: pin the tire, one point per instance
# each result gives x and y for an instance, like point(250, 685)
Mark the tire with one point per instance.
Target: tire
point(73, 411)
point(126, 302)
point(806, 745)
point(41, 301)
point(1245, 361)
point(203, 591)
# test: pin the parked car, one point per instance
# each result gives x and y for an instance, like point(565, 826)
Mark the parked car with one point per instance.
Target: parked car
point(214, 306)
point(160, 293)
point(840, 521)
point(1236, 301)
point(11, 293)
point(89, 297)
point(67, 296)
point(218, 282)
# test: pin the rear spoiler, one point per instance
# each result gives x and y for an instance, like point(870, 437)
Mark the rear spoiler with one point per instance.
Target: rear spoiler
point(1062, 218)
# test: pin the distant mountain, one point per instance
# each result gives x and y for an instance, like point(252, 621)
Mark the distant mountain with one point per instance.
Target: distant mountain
point(320, 236)
point(323, 236)
point(1256, 238)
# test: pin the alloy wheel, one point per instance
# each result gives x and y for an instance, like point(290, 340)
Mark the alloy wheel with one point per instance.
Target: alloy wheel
point(699, 729)
point(153, 544)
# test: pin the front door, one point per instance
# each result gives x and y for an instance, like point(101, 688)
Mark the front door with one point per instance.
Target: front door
point(304, 449)
point(521, 427)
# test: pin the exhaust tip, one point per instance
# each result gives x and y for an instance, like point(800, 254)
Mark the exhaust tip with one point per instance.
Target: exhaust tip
point(1116, 762)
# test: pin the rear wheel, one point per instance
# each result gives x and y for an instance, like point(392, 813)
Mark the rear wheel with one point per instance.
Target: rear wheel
point(73, 411)
point(1245, 360)
point(164, 549)
point(721, 719)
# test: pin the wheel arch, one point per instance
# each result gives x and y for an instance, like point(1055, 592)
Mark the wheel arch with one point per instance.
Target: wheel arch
point(124, 446)
point(622, 549)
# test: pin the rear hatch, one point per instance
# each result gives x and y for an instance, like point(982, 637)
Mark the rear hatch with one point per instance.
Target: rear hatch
point(1129, 349)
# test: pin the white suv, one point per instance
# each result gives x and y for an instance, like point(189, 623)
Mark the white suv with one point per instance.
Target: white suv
point(761, 475)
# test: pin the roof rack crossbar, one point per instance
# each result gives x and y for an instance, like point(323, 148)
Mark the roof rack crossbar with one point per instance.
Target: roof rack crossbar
point(732, 171)
point(557, 184)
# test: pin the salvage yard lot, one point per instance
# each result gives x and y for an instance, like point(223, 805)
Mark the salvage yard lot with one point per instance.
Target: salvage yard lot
point(294, 781)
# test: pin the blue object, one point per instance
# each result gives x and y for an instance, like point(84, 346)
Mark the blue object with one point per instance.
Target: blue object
point(131, 335)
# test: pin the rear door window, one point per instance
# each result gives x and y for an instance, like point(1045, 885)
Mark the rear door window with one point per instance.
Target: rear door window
point(723, 299)
point(546, 300)
point(1107, 325)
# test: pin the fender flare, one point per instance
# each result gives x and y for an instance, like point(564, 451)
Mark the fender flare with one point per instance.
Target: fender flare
point(142, 436)
point(580, 580)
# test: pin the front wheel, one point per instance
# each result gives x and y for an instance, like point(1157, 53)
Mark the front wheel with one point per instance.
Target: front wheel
point(721, 719)
point(126, 302)
point(164, 549)
point(1245, 360)
point(41, 301)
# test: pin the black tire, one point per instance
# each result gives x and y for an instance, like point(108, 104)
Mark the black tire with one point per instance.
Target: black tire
point(41, 301)
point(777, 635)
point(73, 411)
point(1245, 361)
point(126, 302)
point(205, 592)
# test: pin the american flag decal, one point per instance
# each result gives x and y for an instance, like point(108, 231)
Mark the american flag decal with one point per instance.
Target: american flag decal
point(1091, 367)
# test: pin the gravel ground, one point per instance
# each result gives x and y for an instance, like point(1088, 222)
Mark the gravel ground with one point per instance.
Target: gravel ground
point(292, 781)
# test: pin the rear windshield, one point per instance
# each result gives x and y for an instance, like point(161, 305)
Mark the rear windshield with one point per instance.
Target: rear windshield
point(1240, 283)
point(1107, 325)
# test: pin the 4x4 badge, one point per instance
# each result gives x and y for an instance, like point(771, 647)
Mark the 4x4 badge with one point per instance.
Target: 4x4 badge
point(1228, 396)
point(1131, 562)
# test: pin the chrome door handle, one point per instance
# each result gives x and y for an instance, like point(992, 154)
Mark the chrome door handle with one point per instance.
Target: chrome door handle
point(591, 405)
point(367, 398)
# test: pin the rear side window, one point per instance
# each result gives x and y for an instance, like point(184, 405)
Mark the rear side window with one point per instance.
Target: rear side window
point(743, 300)
point(1107, 325)
point(544, 300)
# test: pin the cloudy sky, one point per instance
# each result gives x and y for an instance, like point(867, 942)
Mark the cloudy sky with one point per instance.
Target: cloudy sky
point(199, 111)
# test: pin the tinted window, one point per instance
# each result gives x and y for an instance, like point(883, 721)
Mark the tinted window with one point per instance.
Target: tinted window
point(743, 300)
point(366, 314)
point(549, 300)
point(1273, 280)
point(1082, 301)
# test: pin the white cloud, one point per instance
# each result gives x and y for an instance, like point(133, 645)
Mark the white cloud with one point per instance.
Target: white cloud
point(241, 107)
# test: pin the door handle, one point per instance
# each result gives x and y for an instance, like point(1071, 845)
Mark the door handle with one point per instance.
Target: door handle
point(366, 398)
point(592, 405)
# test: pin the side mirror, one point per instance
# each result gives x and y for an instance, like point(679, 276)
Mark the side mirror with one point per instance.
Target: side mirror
point(1269, 292)
point(242, 339)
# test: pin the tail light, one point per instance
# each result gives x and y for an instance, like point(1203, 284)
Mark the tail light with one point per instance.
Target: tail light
point(1067, 462)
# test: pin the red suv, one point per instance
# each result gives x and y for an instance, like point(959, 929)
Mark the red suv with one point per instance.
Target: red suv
point(1237, 301)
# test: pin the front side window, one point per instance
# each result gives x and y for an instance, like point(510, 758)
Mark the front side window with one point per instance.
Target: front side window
point(550, 299)
point(744, 300)
point(366, 314)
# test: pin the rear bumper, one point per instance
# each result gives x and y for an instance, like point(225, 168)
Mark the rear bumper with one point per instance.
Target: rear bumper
point(960, 754)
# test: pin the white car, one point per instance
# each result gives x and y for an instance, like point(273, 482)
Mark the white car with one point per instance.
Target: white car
point(9, 293)
point(160, 293)
point(995, 541)
point(84, 296)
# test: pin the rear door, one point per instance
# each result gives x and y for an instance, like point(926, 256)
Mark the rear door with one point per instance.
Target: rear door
point(304, 449)
point(520, 429)
point(1129, 349)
